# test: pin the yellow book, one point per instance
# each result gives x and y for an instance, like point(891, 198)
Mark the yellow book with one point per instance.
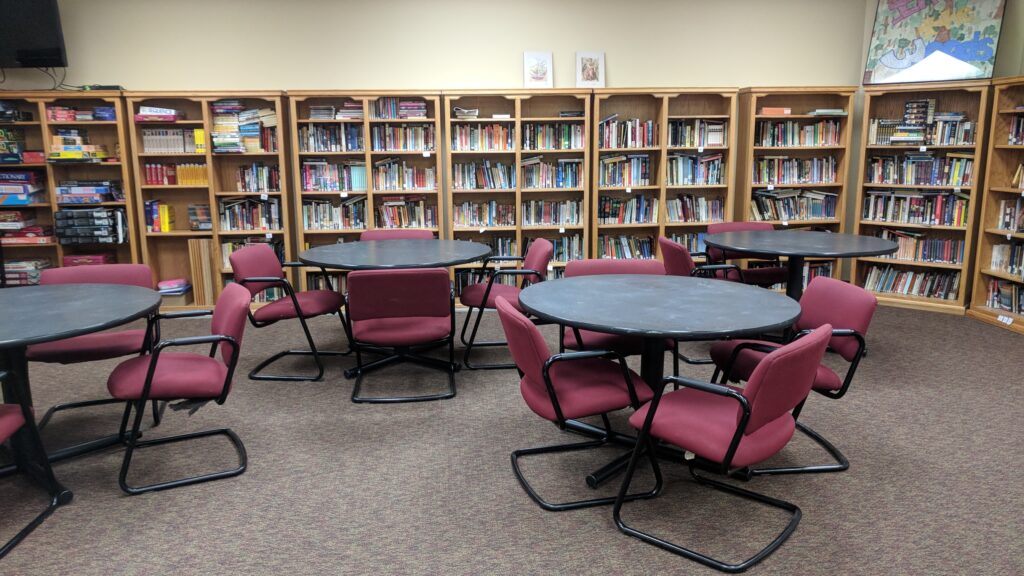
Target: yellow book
point(200, 137)
point(166, 218)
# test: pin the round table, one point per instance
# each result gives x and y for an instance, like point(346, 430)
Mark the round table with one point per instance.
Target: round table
point(796, 245)
point(36, 314)
point(385, 254)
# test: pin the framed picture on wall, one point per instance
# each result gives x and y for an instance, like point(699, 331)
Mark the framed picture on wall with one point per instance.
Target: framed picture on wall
point(932, 40)
point(538, 70)
point(590, 69)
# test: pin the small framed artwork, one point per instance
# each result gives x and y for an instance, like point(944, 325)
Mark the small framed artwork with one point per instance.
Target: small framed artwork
point(590, 69)
point(538, 70)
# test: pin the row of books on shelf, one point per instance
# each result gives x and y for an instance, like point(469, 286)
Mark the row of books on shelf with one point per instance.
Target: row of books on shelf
point(566, 247)
point(790, 204)
point(919, 247)
point(565, 173)
point(9, 112)
point(466, 277)
point(921, 169)
point(625, 170)
point(1005, 295)
point(388, 108)
point(348, 110)
point(776, 170)
point(483, 175)
point(474, 214)
point(1015, 137)
point(947, 130)
point(552, 212)
point(1008, 258)
point(91, 226)
point(1011, 215)
point(240, 130)
point(694, 208)
point(250, 214)
point(328, 215)
point(330, 138)
point(183, 174)
point(404, 137)
point(228, 247)
point(636, 209)
point(319, 175)
point(910, 207)
point(792, 133)
point(557, 136)
point(73, 145)
point(698, 133)
point(258, 177)
point(25, 271)
point(395, 174)
point(161, 217)
point(939, 284)
point(173, 140)
point(406, 212)
point(695, 170)
point(485, 138)
point(632, 133)
point(641, 247)
point(58, 113)
point(810, 271)
point(694, 241)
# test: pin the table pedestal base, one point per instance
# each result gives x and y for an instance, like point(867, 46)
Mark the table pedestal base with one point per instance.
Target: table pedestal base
point(795, 282)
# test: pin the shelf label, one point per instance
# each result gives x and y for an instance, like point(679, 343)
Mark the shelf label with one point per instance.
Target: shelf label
point(344, 194)
point(1009, 235)
point(482, 230)
point(629, 190)
point(771, 187)
point(923, 148)
point(1005, 319)
point(700, 149)
point(269, 235)
point(551, 268)
point(264, 196)
point(785, 222)
point(426, 153)
point(561, 230)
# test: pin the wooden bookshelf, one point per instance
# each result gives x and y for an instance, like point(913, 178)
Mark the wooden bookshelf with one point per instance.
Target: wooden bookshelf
point(806, 134)
point(38, 134)
point(1004, 156)
point(690, 125)
point(882, 155)
point(313, 144)
point(206, 177)
point(510, 128)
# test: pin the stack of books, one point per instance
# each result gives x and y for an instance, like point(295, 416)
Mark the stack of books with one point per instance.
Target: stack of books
point(72, 145)
point(391, 108)
point(466, 113)
point(21, 188)
point(91, 226)
point(15, 219)
point(28, 235)
point(155, 114)
point(9, 112)
point(350, 110)
point(225, 136)
point(24, 272)
point(201, 268)
point(89, 191)
point(12, 145)
point(199, 217)
point(175, 292)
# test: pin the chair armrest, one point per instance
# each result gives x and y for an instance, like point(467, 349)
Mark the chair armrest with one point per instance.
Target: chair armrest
point(262, 279)
point(708, 270)
point(698, 255)
point(489, 259)
point(183, 314)
point(293, 264)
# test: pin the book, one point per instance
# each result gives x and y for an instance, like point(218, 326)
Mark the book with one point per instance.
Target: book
point(776, 110)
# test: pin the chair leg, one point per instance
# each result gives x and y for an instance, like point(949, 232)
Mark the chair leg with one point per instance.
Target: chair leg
point(312, 351)
point(794, 520)
point(134, 443)
point(841, 463)
point(472, 342)
point(402, 355)
point(593, 480)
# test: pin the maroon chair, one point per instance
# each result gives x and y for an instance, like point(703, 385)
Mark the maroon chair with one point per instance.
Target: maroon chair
point(99, 345)
point(679, 261)
point(763, 276)
point(19, 417)
point(826, 301)
point(257, 268)
point(400, 313)
point(396, 234)
point(193, 378)
point(568, 386)
point(483, 295)
point(726, 428)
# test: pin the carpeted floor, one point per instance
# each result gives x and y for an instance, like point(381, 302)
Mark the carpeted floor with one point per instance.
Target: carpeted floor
point(932, 428)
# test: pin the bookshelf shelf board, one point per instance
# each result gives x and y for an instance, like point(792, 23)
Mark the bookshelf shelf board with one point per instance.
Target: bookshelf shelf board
point(401, 120)
point(804, 185)
point(1011, 110)
point(478, 229)
point(230, 154)
point(623, 188)
point(429, 153)
point(632, 225)
point(83, 123)
point(71, 164)
point(1004, 233)
point(330, 121)
point(695, 186)
point(698, 117)
point(542, 190)
point(471, 152)
point(480, 120)
point(89, 205)
point(430, 228)
point(329, 193)
point(356, 153)
point(158, 123)
point(798, 116)
point(169, 154)
point(234, 193)
point(553, 119)
point(1009, 146)
point(917, 147)
point(16, 246)
point(796, 148)
point(184, 233)
point(992, 316)
point(482, 190)
point(808, 222)
point(682, 224)
point(250, 232)
point(20, 165)
point(334, 231)
point(1003, 275)
point(628, 150)
point(386, 192)
point(552, 226)
point(918, 263)
point(1007, 190)
point(36, 205)
point(909, 225)
point(174, 186)
point(918, 186)
point(22, 123)
point(906, 301)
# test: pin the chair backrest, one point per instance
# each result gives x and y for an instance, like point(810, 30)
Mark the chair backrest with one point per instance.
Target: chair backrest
point(229, 317)
point(254, 261)
point(830, 301)
point(717, 255)
point(783, 378)
point(676, 257)
point(595, 266)
point(538, 256)
point(414, 292)
point(125, 274)
point(396, 234)
point(525, 342)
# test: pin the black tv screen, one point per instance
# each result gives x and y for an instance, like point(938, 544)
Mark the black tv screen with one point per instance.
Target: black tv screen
point(30, 34)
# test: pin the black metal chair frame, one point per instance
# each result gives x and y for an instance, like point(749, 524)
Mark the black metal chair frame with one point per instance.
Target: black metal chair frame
point(132, 438)
point(841, 462)
point(645, 444)
point(254, 374)
point(492, 274)
point(395, 354)
point(37, 465)
point(598, 477)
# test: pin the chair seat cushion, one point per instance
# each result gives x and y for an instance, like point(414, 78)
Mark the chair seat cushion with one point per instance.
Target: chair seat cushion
point(704, 424)
point(825, 378)
point(401, 331)
point(584, 388)
point(765, 277)
point(11, 420)
point(88, 347)
point(625, 345)
point(177, 375)
point(312, 302)
point(473, 294)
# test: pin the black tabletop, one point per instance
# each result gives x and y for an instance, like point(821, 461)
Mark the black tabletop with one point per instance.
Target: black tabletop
point(34, 314)
point(801, 243)
point(676, 307)
point(378, 254)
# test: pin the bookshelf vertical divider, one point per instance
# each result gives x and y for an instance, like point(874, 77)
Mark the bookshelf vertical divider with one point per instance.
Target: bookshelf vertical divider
point(909, 212)
point(999, 282)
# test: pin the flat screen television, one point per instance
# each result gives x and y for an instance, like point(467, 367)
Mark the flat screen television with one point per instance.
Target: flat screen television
point(30, 34)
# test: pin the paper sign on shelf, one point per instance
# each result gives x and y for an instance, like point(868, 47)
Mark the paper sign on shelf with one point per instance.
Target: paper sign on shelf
point(264, 196)
point(700, 149)
point(426, 153)
point(785, 222)
point(269, 235)
point(629, 190)
point(561, 230)
point(344, 194)
point(771, 187)
point(482, 230)
point(923, 148)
